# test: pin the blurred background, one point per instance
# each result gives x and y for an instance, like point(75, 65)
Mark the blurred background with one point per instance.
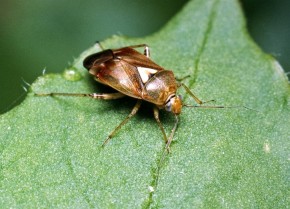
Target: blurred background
point(47, 34)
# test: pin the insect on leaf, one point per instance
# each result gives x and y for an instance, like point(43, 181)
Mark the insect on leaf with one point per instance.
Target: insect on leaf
point(51, 154)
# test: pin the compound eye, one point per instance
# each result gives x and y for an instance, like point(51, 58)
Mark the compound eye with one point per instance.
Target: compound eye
point(168, 106)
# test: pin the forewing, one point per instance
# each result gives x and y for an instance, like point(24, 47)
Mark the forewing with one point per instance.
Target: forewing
point(125, 70)
point(135, 58)
point(121, 76)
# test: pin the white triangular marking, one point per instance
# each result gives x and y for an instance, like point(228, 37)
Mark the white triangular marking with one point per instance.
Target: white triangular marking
point(146, 73)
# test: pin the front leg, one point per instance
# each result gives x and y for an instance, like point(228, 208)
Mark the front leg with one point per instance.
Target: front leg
point(156, 116)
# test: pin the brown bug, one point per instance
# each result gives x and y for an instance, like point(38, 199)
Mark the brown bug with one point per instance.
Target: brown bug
point(135, 75)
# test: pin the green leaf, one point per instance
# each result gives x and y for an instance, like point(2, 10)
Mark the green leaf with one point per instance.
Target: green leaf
point(51, 154)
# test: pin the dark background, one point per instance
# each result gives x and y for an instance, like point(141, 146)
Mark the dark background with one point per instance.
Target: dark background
point(37, 35)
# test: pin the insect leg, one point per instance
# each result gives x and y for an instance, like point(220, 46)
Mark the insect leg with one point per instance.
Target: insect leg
point(146, 48)
point(172, 134)
point(182, 78)
point(197, 100)
point(116, 95)
point(132, 113)
point(208, 106)
point(156, 116)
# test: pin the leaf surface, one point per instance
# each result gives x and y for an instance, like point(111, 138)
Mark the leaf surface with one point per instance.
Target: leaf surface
point(51, 154)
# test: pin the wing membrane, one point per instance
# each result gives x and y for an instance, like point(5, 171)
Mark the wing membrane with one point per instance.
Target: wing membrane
point(121, 76)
